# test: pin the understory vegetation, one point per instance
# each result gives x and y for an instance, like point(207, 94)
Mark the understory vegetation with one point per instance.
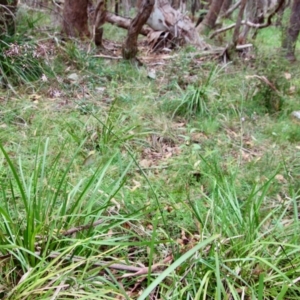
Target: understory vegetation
point(188, 164)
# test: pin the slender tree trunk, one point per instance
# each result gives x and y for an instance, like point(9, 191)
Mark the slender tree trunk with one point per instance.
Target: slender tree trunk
point(126, 4)
point(75, 18)
point(291, 35)
point(230, 10)
point(7, 16)
point(210, 19)
point(130, 48)
point(255, 14)
point(237, 28)
point(225, 6)
point(281, 12)
point(195, 6)
point(99, 20)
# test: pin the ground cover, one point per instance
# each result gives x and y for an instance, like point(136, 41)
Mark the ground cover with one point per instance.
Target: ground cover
point(185, 163)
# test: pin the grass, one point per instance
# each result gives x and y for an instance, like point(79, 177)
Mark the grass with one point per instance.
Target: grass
point(197, 171)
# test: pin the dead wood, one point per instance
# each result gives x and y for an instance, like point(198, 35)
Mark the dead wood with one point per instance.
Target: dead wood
point(165, 18)
point(230, 10)
point(82, 227)
point(251, 24)
point(137, 271)
point(123, 23)
point(107, 56)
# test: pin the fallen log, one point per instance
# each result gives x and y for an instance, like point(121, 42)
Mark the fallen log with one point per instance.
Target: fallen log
point(124, 23)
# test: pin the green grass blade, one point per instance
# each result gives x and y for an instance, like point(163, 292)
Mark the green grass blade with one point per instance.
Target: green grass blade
point(175, 265)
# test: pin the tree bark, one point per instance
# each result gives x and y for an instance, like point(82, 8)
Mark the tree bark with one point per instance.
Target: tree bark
point(130, 48)
point(254, 13)
point(237, 28)
point(292, 32)
point(230, 10)
point(281, 12)
point(210, 19)
point(99, 20)
point(226, 5)
point(75, 18)
point(8, 10)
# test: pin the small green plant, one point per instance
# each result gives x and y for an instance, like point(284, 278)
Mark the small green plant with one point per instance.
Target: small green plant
point(272, 86)
point(196, 98)
point(21, 62)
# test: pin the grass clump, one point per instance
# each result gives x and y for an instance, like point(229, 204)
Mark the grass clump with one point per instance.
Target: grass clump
point(21, 62)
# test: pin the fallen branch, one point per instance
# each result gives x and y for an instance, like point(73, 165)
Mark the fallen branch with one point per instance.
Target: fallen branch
point(82, 227)
point(116, 266)
point(145, 270)
point(123, 22)
point(251, 24)
point(230, 10)
point(104, 264)
point(265, 80)
point(107, 56)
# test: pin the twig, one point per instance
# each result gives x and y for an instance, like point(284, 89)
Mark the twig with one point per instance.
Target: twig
point(135, 270)
point(266, 81)
point(58, 289)
point(241, 47)
point(82, 227)
point(103, 264)
point(107, 56)
point(145, 270)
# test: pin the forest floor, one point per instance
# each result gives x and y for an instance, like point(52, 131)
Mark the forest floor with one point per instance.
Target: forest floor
point(187, 163)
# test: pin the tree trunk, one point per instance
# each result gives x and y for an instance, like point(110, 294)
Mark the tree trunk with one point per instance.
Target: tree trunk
point(195, 6)
point(225, 6)
point(130, 48)
point(291, 35)
point(255, 14)
point(230, 10)
point(7, 16)
point(210, 19)
point(236, 32)
point(75, 18)
point(126, 4)
point(280, 15)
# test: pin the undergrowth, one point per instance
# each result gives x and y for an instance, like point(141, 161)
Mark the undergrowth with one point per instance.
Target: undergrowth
point(105, 171)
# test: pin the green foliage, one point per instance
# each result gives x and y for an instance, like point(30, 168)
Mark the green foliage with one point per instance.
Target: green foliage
point(197, 98)
point(194, 170)
point(20, 62)
point(273, 87)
